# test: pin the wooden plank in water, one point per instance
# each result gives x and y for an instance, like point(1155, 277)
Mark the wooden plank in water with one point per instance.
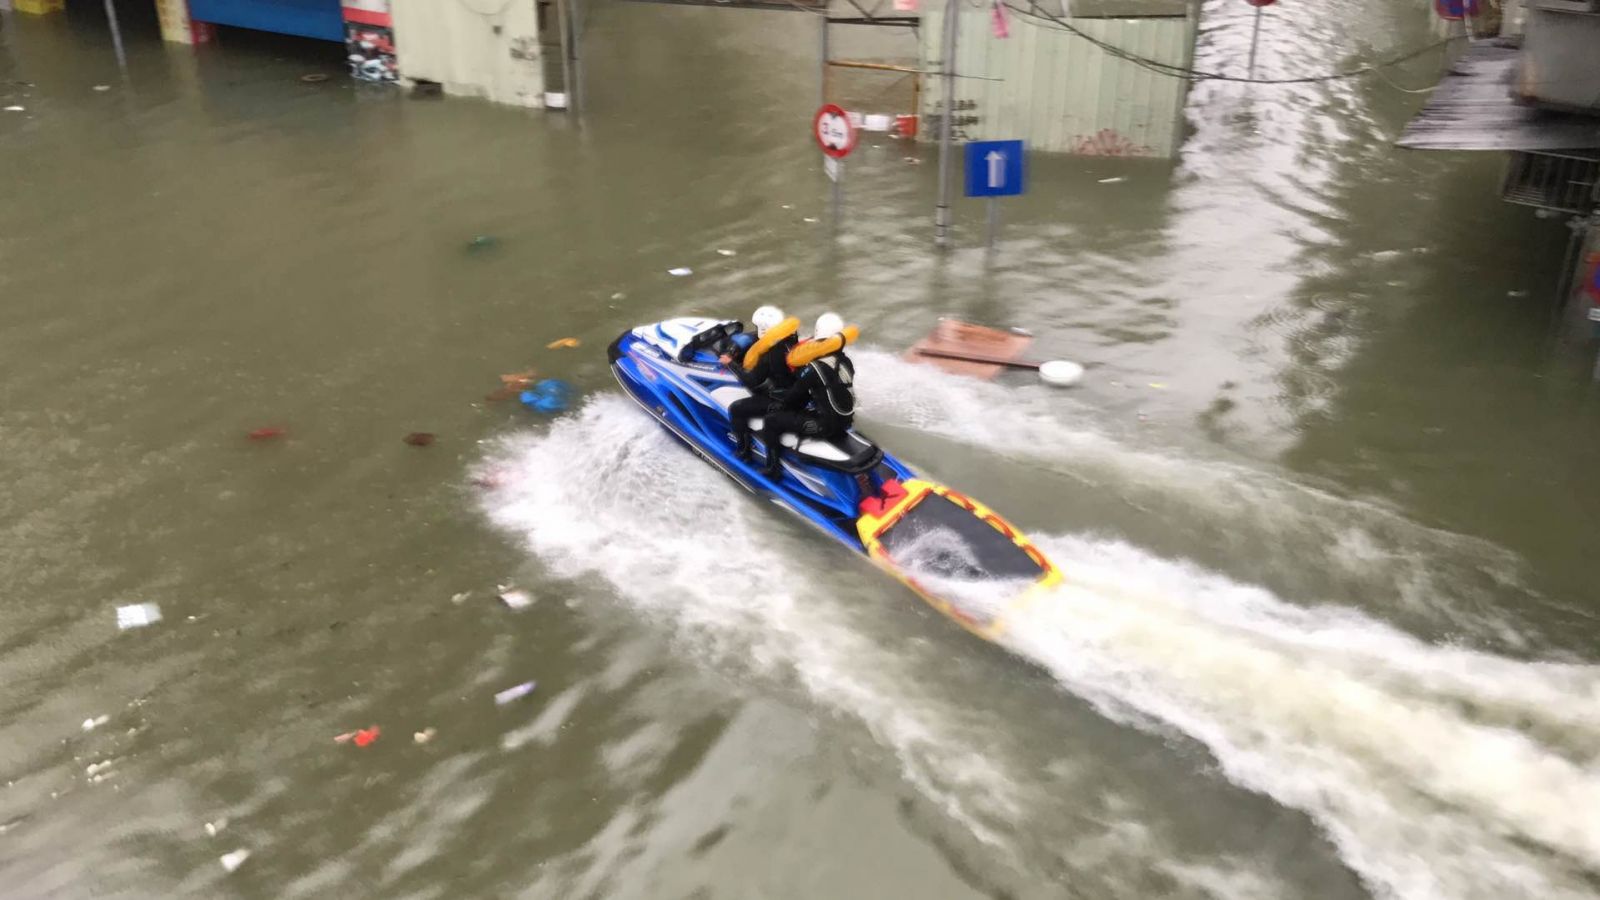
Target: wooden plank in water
point(965, 338)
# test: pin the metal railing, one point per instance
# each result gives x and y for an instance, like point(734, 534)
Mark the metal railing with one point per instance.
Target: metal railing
point(1565, 181)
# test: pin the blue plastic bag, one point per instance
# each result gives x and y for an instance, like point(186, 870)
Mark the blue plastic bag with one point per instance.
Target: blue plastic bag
point(549, 396)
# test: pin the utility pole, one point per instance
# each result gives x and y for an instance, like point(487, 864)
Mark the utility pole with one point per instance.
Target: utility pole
point(574, 61)
point(941, 213)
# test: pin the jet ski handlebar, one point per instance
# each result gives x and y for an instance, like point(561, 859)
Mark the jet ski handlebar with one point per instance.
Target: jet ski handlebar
point(711, 337)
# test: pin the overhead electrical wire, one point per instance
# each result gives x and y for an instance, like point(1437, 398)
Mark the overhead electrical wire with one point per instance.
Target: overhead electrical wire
point(1176, 71)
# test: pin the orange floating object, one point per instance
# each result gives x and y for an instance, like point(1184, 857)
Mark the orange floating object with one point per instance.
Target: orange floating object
point(563, 343)
point(366, 736)
point(262, 434)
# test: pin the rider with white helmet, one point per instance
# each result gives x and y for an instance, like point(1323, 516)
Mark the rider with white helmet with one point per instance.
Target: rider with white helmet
point(765, 319)
point(822, 402)
point(763, 371)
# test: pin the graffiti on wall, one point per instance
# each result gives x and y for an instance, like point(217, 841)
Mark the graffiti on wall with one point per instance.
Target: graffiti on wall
point(1109, 142)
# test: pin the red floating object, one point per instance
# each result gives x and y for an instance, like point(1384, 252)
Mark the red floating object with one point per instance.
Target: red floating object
point(366, 736)
point(418, 438)
point(262, 434)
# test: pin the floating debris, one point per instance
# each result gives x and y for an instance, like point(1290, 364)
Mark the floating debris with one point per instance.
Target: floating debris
point(215, 828)
point(96, 768)
point(137, 616)
point(515, 599)
point(1060, 372)
point(419, 438)
point(424, 736)
point(314, 78)
point(14, 109)
point(811, 220)
point(232, 861)
point(460, 598)
point(788, 206)
point(548, 396)
point(1117, 180)
point(512, 694)
point(619, 296)
point(721, 252)
point(102, 88)
point(566, 343)
point(1158, 385)
point(96, 722)
point(266, 434)
point(482, 242)
point(913, 161)
point(680, 271)
point(362, 738)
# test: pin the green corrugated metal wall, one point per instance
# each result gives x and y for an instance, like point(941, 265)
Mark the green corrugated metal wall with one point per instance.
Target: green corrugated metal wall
point(1058, 91)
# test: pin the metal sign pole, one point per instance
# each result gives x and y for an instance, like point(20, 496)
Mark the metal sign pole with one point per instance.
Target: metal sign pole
point(941, 212)
point(1255, 38)
point(822, 69)
point(116, 35)
point(994, 221)
point(838, 191)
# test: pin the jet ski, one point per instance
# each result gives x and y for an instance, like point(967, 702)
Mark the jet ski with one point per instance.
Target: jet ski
point(932, 538)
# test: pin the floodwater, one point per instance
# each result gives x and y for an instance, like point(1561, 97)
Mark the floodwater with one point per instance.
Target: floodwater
point(1325, 499)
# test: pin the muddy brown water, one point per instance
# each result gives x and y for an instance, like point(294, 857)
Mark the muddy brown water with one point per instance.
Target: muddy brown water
point(1324, 497)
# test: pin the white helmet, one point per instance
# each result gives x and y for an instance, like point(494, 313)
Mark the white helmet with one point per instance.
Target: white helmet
point(766, 317)
point(828, 325)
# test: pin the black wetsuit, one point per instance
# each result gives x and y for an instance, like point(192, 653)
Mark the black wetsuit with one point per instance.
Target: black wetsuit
point(828, 386)
point(769, 378)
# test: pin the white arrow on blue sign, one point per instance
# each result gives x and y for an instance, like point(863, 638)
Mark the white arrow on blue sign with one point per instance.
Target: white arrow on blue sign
point(995, 169)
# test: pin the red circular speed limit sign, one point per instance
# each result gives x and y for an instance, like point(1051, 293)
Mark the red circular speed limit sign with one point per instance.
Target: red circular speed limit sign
point(833, 131)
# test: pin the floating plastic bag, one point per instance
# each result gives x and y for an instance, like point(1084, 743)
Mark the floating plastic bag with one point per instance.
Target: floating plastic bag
point(511, 694)
point(137, 615)
point(232, 861)
point(549, 396)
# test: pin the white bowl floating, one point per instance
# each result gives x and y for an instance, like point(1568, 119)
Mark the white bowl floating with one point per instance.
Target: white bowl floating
point(1060, 372)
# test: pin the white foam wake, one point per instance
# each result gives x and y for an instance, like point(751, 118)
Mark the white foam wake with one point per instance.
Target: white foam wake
point(1453, 581)
point(1439, 772)
point(606, 493)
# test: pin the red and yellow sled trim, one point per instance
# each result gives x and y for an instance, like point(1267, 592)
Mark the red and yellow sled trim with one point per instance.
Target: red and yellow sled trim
point(876, 521)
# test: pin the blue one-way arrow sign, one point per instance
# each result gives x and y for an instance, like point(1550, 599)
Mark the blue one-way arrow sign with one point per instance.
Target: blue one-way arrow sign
point(994, 169)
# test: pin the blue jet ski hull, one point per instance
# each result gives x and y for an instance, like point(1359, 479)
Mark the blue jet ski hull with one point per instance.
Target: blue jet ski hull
point(671, 369)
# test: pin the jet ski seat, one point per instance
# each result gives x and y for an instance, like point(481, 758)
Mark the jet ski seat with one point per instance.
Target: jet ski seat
point(850, 453)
